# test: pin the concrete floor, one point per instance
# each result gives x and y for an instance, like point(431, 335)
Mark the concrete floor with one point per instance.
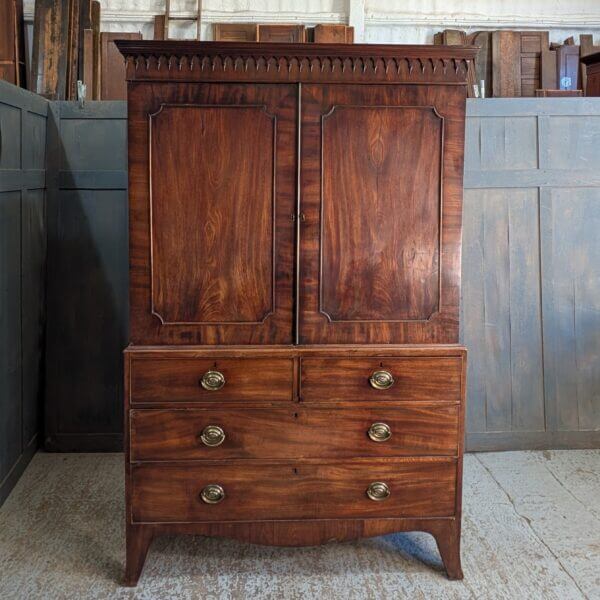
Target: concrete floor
point(531, 530)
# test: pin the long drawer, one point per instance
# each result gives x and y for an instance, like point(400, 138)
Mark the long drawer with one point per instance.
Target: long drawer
point(183, 434)
point(266, 491)
point(211, 379)
point(376, 379)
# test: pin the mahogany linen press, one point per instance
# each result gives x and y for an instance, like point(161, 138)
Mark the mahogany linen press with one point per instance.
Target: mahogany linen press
point(294, 374)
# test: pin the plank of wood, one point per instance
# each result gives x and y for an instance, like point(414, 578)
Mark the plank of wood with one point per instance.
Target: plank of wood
point(333, 34)
point(73, 49)
point(506, 64)
point(159, 27)
point(532, 45)
point(558, 93)
point(483, 62)
point(548, 76)
point(450, 37)
point(233, 32)
point(281, 33)
point(85, 22)
point(113, 84)
point(96, 54)
point(50, 48)
point(87, 63)
point(12, 42)
point(567, 67)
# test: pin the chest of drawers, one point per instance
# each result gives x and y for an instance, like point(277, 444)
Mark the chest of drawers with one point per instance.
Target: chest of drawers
point(294, 375)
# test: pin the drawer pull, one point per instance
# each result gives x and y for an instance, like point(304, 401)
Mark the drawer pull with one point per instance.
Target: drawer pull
point(212, 380)
point(378, 491)
point(381, 380)
point(212, 435)
point(212, 494)
point(380, 432)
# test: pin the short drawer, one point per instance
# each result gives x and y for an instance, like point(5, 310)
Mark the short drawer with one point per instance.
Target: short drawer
point(210, 379)
point(267, 491)
point(420, 379)
point(192, 434)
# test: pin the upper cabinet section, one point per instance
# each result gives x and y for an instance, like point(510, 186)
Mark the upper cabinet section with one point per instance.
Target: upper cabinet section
point(267, 212)
point(293, 63)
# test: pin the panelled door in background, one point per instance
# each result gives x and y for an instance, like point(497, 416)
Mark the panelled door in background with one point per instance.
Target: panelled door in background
point(380, 235)
point(220, 268)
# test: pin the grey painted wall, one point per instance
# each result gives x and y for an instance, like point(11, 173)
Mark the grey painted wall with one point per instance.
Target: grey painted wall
point(531, 273)
point(87, 276)
point(22, 258)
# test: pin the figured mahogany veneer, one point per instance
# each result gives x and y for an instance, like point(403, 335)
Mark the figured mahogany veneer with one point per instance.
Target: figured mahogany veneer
point(293, 433)
point(322, 490)
point(295, 228)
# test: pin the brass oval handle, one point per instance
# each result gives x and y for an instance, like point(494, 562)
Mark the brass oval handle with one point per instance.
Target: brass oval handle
point(378, 491)
point(212, 435)
point(381, 380)
point(380, 432)
point(212, 380)
point(212, 494)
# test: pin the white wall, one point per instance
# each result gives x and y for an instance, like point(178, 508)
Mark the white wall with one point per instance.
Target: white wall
point(393, 21)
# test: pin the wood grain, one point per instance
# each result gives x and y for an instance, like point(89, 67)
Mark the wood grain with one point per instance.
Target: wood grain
point(293, 433)
point(12, 43)
point(592, 63)
point(333, 34)
point(225, 222)
point(112, 77)
point(299, 490)
point(380, 231)
point(291, 34)
point(234, 32)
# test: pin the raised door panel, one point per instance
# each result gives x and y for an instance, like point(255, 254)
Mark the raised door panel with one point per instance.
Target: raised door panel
point(212, 195)
point(381, 181)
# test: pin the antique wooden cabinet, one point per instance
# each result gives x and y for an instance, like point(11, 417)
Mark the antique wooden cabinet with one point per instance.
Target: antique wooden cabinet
point(294, 374)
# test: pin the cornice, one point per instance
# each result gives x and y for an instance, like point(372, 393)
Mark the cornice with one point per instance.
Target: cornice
point(367, 63)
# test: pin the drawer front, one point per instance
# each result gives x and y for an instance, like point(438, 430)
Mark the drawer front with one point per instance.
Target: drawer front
point(177, 434)
point(419, 379)
point(417, 488)
point(179, 379)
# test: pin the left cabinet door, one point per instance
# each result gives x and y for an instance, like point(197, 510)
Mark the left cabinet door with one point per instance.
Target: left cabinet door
point(212, 188)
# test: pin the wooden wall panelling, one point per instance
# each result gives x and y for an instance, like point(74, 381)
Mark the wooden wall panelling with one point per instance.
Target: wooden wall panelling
point(12, 42)
point(567, 67)
point(529, 289)
point(333, 34)
point(50, 48)
point(281, 33)
point(234, 32)
point(112, 78)
point(22, 274)
point(87, 277)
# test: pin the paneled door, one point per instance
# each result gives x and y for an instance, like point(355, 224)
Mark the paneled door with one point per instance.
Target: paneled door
point(215, 166)
point(380, 209)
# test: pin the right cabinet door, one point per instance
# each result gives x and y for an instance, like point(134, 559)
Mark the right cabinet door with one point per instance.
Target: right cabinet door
point(380, 201)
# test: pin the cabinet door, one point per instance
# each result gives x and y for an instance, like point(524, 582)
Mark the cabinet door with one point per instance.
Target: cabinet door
point(212, 194)
point(381, 197)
